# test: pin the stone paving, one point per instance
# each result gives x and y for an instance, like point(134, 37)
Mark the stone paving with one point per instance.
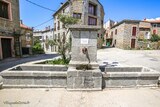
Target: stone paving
point(143, 97)
point(147, 58)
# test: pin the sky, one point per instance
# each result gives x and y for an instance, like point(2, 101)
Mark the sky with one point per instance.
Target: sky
point(116, 10)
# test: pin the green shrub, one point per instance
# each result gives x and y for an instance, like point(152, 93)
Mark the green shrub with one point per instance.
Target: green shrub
point(37, 48)
point(58, 62)
point(155, 38)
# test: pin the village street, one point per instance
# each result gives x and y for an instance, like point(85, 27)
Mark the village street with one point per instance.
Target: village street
point(8, 63)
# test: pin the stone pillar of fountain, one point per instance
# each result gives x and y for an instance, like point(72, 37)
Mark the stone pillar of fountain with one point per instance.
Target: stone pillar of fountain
point(84, 72)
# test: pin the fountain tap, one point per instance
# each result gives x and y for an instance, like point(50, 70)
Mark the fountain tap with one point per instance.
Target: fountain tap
point(84, 50)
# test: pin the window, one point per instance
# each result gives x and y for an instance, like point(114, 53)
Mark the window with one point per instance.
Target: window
point(154, 25)
point(92, 21)
point(58, 25)
point(92, 9)
point(64, 34)
point(116, 32)
point(102, 22)
point(55, 36)
point(28, 38)
point(112, 34)
point(58, 36)
point(77, 15)
point(4, 10)
point(101, 36)
point(98, 35)
point(134, 31)
point(54, 26)
point(154, 31)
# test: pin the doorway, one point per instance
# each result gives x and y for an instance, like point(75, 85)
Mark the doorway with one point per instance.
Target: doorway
point(133, 42)
point(6, 48)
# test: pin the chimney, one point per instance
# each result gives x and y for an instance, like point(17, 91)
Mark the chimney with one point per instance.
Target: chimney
point(61, 4)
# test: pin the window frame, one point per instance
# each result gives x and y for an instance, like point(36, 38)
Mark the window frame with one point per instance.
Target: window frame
point(92, 21)
point(77, 15)
point(9, 10)
point(92, 9)
point(134, 31)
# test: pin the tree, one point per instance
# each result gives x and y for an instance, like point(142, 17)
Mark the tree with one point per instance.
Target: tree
point(62, 42)
point(37, 48)
point(155, 38)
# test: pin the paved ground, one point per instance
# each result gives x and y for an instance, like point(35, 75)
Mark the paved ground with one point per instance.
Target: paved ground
point(62, 98)
point(147, 58)
point(8, 63)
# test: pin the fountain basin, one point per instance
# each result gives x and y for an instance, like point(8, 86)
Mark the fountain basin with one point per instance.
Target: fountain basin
point(1, 82)
point(35, 75)
point(130, 77)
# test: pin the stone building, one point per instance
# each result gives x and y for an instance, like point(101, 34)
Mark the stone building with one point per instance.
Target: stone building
point(9, 29)
point(127, 33)
point(44, 36)
point(26, 39)
point(89, 12)
point(108, 38)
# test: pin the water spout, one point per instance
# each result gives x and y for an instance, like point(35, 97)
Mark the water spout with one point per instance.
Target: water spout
point(85, 51)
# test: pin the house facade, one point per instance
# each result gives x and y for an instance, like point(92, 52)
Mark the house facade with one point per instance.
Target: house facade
point(26, 39)
point(108, 38)
point(9, 29)
point(89, 12)
point(127, 33)
point(44, 36)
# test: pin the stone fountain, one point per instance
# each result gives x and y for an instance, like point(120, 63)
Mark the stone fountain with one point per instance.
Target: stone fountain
point(84, 72)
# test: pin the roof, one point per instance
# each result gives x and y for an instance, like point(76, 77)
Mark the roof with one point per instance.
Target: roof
point(126, 21)
point(25, 27)
point(43, 31)
point(152, 21)
point(65, 4)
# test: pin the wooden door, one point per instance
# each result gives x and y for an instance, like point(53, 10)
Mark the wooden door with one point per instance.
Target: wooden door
point(6, 48)
point(133, 42)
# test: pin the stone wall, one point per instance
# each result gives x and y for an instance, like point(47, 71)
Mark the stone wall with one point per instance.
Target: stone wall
point(128, 35)
point(81, 6)
point(12, 23)
point(10, 28)
point(124, 33)
point(118, 38)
